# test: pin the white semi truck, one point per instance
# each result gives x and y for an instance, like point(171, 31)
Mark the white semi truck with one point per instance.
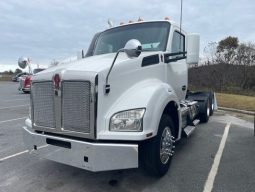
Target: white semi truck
point(123, 105)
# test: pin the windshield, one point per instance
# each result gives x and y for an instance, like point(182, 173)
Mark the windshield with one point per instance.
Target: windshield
point(153, 37)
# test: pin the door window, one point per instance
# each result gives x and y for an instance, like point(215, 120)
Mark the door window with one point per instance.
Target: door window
point(178, 43)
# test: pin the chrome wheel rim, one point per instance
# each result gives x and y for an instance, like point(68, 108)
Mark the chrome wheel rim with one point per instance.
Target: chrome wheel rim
point(166, 145)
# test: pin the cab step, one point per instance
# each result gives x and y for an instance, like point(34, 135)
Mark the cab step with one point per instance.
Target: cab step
point(195, 122)
point(191, 128)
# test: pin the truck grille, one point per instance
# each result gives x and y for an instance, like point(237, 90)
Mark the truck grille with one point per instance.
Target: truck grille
point(76, 99)
point(43, 104)
point(68, 113)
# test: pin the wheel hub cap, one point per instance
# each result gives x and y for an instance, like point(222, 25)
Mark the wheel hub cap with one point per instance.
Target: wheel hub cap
point(166, 145)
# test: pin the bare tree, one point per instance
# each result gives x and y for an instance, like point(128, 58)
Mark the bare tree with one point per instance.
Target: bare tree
point(210, 52)
point(235, 77)
point(54, 63)
point(246, 57)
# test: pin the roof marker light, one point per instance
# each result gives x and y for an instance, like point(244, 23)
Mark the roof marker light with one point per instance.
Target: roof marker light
point(167, 18)
point(122, 23)
point(130, 21)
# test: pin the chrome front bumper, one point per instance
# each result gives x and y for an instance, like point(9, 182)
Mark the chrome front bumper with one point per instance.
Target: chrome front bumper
point(90, 156)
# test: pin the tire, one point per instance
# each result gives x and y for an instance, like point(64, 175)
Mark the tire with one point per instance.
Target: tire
point(204, 116)
point(157, 152)
point(211, 99)
point(26, 92)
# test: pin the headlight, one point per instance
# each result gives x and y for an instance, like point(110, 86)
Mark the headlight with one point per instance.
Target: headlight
point(131, 120)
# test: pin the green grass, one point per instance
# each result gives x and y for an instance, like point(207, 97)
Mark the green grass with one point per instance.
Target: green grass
point(236, 101)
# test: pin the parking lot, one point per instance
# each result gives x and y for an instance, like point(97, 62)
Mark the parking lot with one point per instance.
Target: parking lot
point(198, 164)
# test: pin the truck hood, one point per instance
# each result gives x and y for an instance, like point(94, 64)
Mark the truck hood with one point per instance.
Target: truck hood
point(93, 64)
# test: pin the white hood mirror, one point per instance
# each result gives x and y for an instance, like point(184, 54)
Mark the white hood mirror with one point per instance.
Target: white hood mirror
point(23, 62)
point(133, 48)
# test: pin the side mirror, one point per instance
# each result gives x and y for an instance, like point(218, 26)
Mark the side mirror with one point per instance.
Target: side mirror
point(193, 45)
point(23, 62)
point(133, 48)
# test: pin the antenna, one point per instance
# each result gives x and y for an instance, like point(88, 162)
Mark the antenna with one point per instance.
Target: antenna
point(181, 18)
point(180, 26)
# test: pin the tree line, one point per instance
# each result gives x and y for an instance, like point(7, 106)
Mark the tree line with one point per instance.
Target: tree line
point(229, 66)
point(10, 72)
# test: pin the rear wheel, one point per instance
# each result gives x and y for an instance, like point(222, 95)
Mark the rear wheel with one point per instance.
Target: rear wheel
point(211, 99)
point(204, 116)
point(158, 151)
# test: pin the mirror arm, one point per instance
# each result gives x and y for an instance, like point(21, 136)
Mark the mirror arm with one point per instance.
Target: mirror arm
point(107, 86)
point(133, 48)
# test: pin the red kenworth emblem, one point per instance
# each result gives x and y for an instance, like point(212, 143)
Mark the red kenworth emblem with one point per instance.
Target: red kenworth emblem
point(56, 81)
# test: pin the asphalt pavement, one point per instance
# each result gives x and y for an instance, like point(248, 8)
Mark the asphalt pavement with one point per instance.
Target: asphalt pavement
point(219, 156)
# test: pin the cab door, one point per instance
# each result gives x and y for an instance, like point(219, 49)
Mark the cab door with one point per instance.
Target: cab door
point(177, 69)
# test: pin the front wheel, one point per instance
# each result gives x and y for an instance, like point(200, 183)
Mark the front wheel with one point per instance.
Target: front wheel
point(158, 151)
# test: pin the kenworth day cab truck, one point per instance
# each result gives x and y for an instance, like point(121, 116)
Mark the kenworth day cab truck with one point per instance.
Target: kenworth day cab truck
point(123, 105)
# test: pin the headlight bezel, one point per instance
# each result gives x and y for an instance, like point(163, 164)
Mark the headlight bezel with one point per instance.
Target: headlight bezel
point(143, 110)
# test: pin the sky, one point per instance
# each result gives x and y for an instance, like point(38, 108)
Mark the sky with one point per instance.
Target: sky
point(56, 29)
